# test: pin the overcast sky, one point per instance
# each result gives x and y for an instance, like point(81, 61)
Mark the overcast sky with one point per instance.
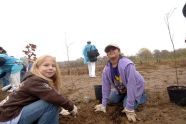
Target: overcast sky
point(132, 24)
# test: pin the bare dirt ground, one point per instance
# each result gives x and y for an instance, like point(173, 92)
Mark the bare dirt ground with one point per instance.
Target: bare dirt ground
point(157, 110)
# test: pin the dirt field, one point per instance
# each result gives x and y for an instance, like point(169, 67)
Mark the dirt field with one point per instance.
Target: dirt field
point(157, 110)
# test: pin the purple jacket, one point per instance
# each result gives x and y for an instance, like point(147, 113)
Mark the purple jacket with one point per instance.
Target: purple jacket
point(131, 78)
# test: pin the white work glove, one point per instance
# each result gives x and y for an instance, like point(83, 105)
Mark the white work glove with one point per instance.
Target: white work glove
point(100, 107)
point(74, 111)
point(64, 112)
point(131, 116)
point(3, 101)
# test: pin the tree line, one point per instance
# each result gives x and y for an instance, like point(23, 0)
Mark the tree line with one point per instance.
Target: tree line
point(146, 56)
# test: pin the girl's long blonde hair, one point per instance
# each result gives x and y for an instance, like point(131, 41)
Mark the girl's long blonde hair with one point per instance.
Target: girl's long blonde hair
point(55, 81)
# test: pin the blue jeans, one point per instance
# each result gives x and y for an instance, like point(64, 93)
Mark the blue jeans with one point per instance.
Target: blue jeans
point(40, 112)
point(116, 98)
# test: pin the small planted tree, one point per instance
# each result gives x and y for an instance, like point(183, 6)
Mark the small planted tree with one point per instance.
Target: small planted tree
point(177, 94)
point(171, 39)
point(30, 55)
point(30, 51)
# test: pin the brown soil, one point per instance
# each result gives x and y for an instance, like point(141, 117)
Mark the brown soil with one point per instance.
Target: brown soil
point(157, 110)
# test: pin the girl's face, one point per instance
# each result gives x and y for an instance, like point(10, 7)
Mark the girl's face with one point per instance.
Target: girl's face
point(113, 54)
point(48, 68)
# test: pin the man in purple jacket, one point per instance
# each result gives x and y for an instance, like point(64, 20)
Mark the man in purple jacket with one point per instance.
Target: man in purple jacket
point(121, 81)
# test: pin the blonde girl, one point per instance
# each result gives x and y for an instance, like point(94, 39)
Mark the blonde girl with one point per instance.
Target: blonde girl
point(39, 97)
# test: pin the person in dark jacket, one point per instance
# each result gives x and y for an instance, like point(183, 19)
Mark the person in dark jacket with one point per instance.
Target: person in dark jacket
point(38, 98)
point(121, 82)
point(12, 68)
point(184, 14)
point(184, 10)
point(91, 62)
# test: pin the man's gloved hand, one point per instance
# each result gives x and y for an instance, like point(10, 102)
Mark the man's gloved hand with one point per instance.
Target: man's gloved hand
point(100, 107)
point(131, 116)
point(64, 112)
point(74, 111)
